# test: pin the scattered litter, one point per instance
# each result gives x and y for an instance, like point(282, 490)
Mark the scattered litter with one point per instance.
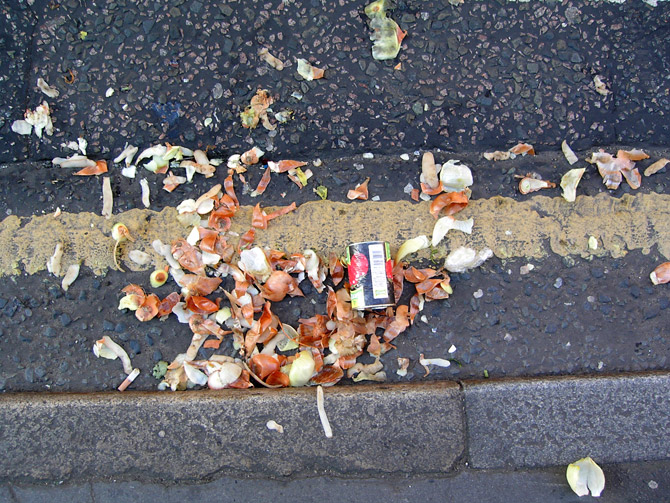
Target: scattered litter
point(585, 475)
point(360, 192)
point(257, 111)
point(452, 349)
point(455, 177)
point(533, 182)
point(131, 172)
point(145, 192)
point(613, 168)
point(478, 294)
point(445, 224)
point(463, 258)
point(438, 362)
point(139, 257)
point(107, 198)
point(70, 276)
point(274, 62)
point(50, 91)
point(403, 365)
point(158, 277)
point(120, 234)
point(54, 262)
point(519, 149)
point(322, 413)
point(601, 88)
point(656, 167)
point(429, 170)
point(274, 426)
point(386, 34)
point(127, 155)
point(525, 269)
point(107, 348)
point(569, 182)
point(411, 246)
point(309, 72)
point(74, 161)
point(661, 274)
point(109, 92)
point(39, 118)
point(22, 127)
point(404, 157)
point(593, 243)
point(129, 380)
point(98, 168)
point(568, 153)
point(251, 156)
point(322, 192)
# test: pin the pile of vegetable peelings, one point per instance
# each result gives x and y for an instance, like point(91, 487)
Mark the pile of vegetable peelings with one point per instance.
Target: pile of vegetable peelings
point(270, 352)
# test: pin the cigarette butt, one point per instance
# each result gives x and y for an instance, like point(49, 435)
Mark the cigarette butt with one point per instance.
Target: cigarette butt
point(128, 380)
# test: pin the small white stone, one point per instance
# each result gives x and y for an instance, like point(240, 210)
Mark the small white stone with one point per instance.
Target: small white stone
point(653, 484)
point(452, 349)
point(478, 294)
point(375, 198)
point(109, 92)
point(368, 155)
point(404, 157)
point(507, 338)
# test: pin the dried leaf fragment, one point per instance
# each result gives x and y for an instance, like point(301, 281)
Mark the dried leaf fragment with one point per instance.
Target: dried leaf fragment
point(309, 72)
point(387, 37)
point(455, 177)
point(438, 362)
point(601, 88)
point(445, 224)
point(411, 246)
point(661, 274)
point(568, 153)
point(451, 202)
point(360, 192)
point(274, 426)
point(98, 168)
point(50, 91)
point(54, 262)
point(429, 170)
point(107, 348)
point(274, 62)
point(107, 197)
point(656, 167)
point(533, 183)
point(569, 182)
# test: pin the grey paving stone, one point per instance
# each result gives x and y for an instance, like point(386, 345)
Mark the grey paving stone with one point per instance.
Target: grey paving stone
point(189, 436)
point(542, 422)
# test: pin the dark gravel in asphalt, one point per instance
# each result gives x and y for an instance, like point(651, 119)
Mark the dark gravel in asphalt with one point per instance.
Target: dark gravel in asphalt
point(478, 75)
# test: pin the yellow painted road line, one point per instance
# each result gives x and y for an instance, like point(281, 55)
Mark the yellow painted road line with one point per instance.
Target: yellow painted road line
point(532, 229)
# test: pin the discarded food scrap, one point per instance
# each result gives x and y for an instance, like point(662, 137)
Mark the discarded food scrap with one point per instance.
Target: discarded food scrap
point(612, 169)
point(386, 34)
point(519, 149)
point(585, 475)
point(661, 274)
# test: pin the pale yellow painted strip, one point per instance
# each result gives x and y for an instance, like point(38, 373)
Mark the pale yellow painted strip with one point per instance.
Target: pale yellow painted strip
point(531, 229)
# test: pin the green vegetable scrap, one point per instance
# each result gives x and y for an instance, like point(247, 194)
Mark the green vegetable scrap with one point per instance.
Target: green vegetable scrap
point(322, 192)
point(160, 369)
